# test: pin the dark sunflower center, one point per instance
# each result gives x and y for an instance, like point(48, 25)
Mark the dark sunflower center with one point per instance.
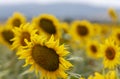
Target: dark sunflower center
point(47, 26)
point(8, 35)
point(110, 53)
point(25, 35)
point(45, 57)
point(118, 36)
point(93, 48)
point(104, 31)
point(82, 30)
point(16, 22)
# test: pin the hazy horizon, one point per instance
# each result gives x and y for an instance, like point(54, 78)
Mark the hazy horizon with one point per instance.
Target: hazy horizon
point(60, 10)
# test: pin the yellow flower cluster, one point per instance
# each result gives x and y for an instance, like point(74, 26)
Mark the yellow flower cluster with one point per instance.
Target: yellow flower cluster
point(38, 43)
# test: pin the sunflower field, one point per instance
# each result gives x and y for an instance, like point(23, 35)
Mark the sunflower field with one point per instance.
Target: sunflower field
point(48, 48)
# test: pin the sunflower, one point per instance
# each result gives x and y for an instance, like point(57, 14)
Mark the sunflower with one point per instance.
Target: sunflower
point(22, 33)
point(47, 24)
point(104, 32)
point(112, 13)
point(96, 76)
point(116, 35)
point(6, 34)
point(93, 49)
point(81, 30)
point(46, 57)
point(111, 75)
point(111, 54)
point(16, 19)
point(96, 30)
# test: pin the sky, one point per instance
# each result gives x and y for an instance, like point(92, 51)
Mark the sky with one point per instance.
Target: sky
point(101, 3)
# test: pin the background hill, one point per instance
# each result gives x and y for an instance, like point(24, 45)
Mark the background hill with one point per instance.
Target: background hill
point(60, 10)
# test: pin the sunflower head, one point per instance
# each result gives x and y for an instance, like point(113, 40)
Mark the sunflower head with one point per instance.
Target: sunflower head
point(112, 13)
point(47, 24)
point(96, 30)
point(23, 35)
point(46, 56)
point(96, 76)
point(111, 54)
point(108, 75)
point(116, 35)
point(93, 49)
point(16, 19)
point(104, 32)
point(111, 75)
point(81, 30)
point(6, 34)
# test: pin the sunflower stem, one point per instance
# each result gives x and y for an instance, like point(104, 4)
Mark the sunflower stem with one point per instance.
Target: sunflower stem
point(103, 72)
point(117, 73)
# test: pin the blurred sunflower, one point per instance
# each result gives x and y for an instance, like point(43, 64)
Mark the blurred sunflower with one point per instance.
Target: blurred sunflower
point(6, 34)
point(104, 32)
point(96, 76)
point(16, 19)
point(112, 13)
point(96, 30)
point(22, 33)
point(116, 35)
point(111, 54)
point(46, 57)
point(93, 49)
point(81, 31)
point(111, 75)
point(48, 24)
